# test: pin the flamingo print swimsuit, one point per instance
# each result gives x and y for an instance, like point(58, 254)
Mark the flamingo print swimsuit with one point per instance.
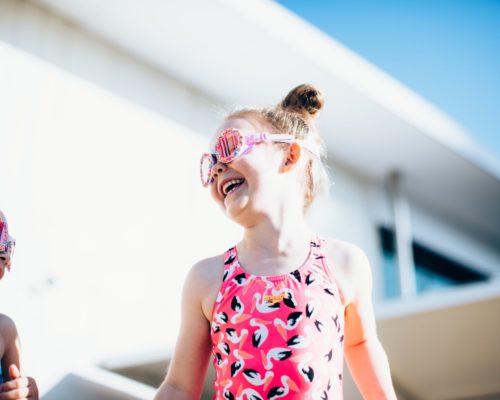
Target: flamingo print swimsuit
point(278, 336)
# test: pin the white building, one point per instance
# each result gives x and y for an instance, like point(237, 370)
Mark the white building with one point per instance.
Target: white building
point(96, 98)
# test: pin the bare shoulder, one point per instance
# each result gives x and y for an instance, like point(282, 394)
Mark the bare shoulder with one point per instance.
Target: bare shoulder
point(7, 324)
point(205, 278)
point(207, 271)
point(349, 265)
point(8, 330)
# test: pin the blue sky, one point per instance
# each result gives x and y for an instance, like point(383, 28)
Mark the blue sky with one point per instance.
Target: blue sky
point(446, 50)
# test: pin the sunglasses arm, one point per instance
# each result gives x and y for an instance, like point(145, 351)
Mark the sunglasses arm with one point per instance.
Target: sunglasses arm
point(268, 137)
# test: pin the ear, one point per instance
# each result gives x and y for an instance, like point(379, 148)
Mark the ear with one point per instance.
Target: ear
point(292, 156)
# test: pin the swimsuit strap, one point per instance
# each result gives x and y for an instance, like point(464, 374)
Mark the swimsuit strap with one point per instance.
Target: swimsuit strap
point(319, 255)
point(230, 260)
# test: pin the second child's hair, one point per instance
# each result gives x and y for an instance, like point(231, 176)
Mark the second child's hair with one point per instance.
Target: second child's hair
point(295, 115)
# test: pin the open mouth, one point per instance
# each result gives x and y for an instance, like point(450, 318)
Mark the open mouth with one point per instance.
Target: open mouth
point(231, 186)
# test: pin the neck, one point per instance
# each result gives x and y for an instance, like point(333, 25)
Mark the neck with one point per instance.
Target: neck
point(276, 235)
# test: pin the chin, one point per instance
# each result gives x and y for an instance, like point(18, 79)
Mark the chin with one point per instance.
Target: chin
point(235, 213)
point(246, 216)
point(238, 210)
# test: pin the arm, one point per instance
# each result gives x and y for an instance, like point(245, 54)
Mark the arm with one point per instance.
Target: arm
point(12, 352)
point(364, 353)
point(188, 366)
point(15, 386)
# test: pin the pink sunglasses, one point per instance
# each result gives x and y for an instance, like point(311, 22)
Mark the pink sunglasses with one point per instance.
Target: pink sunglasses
point(7, 242)
point(231, 144)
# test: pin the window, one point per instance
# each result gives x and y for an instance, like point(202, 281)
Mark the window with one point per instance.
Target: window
point(433, 271)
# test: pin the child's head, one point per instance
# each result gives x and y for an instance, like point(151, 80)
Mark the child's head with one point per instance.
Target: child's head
point(6, 245)
point(288, 164)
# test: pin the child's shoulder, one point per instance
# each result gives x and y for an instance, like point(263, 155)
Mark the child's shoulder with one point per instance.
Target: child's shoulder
point(205, 278)
point(7, 327)
point(348, 255)
point(206, 268)
point(206, 274)
point(349, 265)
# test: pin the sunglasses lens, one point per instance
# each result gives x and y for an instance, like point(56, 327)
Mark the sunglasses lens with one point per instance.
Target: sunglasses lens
point(206, 164)
point(228, 145)
point(4, 239)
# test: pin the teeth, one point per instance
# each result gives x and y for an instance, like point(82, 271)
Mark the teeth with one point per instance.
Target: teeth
point(229, 183)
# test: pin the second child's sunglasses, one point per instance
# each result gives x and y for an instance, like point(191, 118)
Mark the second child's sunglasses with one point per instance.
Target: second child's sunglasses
point(7, 242)
point(232, 143)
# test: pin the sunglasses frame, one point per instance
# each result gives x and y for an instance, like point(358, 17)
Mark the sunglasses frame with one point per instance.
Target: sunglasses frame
point(7, 242)
point(245, 143)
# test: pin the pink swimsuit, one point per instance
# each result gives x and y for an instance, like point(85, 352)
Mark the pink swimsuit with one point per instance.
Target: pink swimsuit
point(278, 336)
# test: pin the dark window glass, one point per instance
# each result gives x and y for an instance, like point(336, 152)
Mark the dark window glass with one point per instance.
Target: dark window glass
point(433, 270)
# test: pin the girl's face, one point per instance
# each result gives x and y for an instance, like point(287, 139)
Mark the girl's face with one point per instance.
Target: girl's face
point(249, 184)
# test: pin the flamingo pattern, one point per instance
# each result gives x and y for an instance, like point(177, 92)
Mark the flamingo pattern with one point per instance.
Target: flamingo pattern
point(294, 323)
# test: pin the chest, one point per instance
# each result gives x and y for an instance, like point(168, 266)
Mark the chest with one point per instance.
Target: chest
point(276, 327)
point(307, 293)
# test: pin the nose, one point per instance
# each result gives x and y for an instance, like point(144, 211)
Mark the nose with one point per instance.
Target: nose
point(218, 169)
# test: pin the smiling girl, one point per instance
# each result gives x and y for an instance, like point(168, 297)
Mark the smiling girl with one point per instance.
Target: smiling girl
point(281, 309)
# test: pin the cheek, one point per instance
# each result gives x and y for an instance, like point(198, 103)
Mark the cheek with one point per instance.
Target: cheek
point(215, 193)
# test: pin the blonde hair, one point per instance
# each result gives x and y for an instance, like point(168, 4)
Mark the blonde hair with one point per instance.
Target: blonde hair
point(295, 115)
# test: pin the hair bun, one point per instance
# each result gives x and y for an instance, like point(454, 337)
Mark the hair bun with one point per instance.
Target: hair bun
point(305, 99)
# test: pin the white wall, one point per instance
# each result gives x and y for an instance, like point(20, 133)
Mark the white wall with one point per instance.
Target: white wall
point(107, 212)
point(29, 27)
